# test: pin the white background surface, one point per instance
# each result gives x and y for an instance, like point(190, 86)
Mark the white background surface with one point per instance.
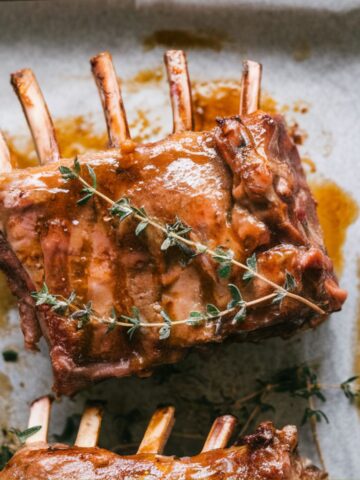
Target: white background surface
point(56, 39)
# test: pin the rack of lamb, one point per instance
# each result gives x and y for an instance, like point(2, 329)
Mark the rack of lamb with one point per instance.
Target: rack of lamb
point(125, 258)
point(268, 454)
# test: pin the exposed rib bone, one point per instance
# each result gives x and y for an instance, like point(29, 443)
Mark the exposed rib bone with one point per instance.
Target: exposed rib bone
point(5, 164)
point(250, 87)
point(89, 428)
point(180, 90)
point(158, 431)
point(37, 115)
point(105, 77)
point(220, 433)
point(39, 415)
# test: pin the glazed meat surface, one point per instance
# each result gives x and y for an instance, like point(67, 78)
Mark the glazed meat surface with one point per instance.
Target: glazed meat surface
point(240, 186)
point(268, 454)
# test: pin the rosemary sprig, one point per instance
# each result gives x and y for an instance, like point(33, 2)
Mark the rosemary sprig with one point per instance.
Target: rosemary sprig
point(177, 234)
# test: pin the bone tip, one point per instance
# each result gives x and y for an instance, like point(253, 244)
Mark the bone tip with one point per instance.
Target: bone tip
point(102, 56)
point(167, 410)
point(46, 399)
point(228, 419)
point(251, 65)
point(174, 55)
point(20, 75)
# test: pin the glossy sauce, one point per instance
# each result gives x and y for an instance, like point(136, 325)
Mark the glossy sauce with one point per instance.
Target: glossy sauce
point(337, 210)
point(77, 135)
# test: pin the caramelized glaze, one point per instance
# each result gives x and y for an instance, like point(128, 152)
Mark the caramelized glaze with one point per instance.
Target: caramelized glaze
point(240, 186)
point(268, 454)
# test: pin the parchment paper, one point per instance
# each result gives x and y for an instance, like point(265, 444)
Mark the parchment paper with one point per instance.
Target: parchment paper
point(56, 39)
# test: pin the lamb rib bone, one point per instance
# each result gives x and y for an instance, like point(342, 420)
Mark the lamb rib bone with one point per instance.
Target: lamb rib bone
point(220, 433)
point(39, 416)
point(158, 431)
point(250, 87)
point(106, 80)
point(90, 425)
point(37, 115)
point(180, 90)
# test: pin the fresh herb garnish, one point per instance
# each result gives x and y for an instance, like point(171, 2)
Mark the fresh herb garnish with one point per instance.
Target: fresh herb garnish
point(165, 330)
point(251, 263)
point(23, 435)
point(224, 258)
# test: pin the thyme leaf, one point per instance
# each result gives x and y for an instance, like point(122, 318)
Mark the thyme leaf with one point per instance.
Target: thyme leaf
point(165, 330)
point(240, 315)
point(43, 296)
point(112, 321)
point(121, 209)
point(212, 310)
point(5, 455)
point(290, 282)
point(70, 173)
point(88, 192)
point(318, 415)
point(289, 285)
point(62, 306)
point(195, 318)
point(25, 434)
point(135, 321)
point(83, 315)
point(141, 227)
point(236, 298)
point(173, 231)
point(251, 263)
point(224, 258)
point(348, 388)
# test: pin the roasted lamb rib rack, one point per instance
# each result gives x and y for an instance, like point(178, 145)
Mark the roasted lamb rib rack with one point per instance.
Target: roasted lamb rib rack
point(268, 454)
point(239, 186)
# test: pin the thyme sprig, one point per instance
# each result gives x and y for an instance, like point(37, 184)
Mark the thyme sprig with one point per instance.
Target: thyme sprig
point(83, 314)
point(302, 382)
point(15, 438)
point(177, 234)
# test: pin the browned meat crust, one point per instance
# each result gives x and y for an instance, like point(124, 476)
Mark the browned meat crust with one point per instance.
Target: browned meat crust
point(240, 185)
point(269, 454)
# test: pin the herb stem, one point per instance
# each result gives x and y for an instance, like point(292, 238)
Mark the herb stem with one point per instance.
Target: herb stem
point(211, 252)
point(119, 323)
point(255, 412)
point(313, 426)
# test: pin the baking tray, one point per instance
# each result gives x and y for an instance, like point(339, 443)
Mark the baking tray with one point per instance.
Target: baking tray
point(311, 62)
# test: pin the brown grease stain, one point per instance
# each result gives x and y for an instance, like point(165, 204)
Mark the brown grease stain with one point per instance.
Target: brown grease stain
point(184, 39)
point(5, 385)
point(76, 136)
point(337, 210)
point(148, 75)
point(302, 51)
point(300, 106)
point(220, 98)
